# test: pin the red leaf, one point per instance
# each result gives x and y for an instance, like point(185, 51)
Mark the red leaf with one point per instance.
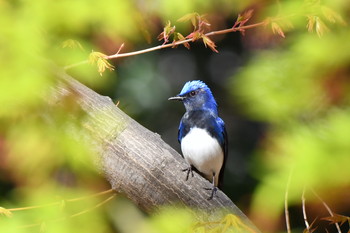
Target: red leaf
point(242, 19)
point(167, 31)
point(337, 218)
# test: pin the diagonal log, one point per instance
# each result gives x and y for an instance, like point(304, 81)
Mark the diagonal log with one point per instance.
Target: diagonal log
point(138, 163)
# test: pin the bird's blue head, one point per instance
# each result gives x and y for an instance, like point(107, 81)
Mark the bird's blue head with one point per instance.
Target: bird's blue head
point(196, 95)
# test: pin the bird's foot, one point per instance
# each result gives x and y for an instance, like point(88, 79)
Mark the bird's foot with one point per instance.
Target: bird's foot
point(213, 192)
point(189, 170)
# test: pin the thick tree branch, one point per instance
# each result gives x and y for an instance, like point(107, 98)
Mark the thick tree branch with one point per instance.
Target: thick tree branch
point(138, 163)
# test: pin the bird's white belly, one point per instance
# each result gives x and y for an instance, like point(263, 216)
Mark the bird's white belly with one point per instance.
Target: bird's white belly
point(203, 152)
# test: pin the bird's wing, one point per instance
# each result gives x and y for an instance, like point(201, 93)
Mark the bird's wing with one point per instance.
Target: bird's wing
point(224, 146)
point(180, 132)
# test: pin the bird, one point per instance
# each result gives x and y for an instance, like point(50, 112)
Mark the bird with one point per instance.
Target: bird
point(202, 134)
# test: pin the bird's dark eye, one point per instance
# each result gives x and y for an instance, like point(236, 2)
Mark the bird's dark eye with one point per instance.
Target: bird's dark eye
point(192, 93)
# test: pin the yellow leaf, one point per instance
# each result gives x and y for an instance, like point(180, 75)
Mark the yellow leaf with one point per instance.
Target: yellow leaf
point(101, 61)
point(94, 56)
point(181, 38)
point(311, 23)
point(321, 28)
point(332, 16)
point(208, 42)
point(72, 44)
point(276, 29)
point(194, 17)
point(191, 16)
point(234, 221)
point(5, 212)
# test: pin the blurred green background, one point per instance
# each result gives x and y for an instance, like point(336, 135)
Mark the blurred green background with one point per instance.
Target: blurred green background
point(285, 102)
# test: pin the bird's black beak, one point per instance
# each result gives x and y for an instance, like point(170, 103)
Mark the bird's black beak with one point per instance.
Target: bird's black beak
point(180, 98)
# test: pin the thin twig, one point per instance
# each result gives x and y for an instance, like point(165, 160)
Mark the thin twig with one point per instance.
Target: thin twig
point(94, 207)
point(172, 44)
point(76, 64)
point(73, 215)
point(213, 33)
point(327, 208)
point(60, 202)
point(304, 211)
point(286, 211)
point(90, 196)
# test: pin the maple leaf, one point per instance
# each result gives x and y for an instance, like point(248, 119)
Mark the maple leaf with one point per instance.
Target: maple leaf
point(310, 23)
point(5, 212)
point(180, 37)
point(209, 43)
point(337, 218)
point(101, 61)
point(243, 18)
point(194, 35)
point(320, 27)
point(198, 21)
point(167, 31)
point(311, 228)
point(332, 16)
point(193, 17)
point(72, 44)
point(315, 23)
point(276, 29)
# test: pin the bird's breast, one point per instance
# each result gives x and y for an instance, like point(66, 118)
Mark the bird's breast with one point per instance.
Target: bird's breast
point(202, 151)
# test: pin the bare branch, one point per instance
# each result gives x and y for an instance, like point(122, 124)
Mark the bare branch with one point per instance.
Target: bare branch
point(172, 44)
point(304, 211)
point(328, 209)
point(286, 211)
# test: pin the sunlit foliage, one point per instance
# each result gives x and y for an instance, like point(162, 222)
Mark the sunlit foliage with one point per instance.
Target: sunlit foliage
point(300, 88)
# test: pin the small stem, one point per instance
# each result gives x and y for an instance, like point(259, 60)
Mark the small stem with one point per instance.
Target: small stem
point(147, 50)
point(73, 215)
point(327, 208)
point(94, 207)
point(286, 211)
point(60, 202)
point(75, 64)
point(304, 211)
point(235, 29)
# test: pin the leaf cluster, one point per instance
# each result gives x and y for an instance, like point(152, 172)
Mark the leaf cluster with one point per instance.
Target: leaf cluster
point(200, 26)
point(101, 62)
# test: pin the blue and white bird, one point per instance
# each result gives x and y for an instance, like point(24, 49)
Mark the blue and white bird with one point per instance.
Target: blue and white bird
point(202, 133)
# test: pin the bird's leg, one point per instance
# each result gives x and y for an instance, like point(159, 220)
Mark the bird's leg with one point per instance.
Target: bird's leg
point(214, 189)
point(189, 170)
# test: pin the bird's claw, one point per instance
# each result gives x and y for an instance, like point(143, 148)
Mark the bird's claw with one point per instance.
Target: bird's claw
point(213, 192)
point(189, 170)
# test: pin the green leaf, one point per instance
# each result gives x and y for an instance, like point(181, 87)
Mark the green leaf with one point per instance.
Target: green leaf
point(191, 16)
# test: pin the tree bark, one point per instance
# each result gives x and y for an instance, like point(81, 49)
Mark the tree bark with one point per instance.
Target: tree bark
point(138, 163)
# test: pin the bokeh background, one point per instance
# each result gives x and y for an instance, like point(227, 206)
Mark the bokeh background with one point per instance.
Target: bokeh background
point(285, 102)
